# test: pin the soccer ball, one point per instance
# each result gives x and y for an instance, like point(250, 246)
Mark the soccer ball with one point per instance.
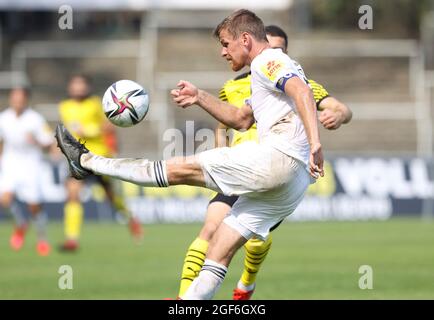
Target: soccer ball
point(125, 103)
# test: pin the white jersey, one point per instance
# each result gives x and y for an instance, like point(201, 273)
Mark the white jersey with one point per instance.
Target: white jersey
point(16, 133)
point(275, 113)
point(21, 160)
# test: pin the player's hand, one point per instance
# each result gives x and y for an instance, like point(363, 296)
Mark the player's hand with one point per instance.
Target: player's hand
point(330, 120)
point(186, 95)
point(316, 161)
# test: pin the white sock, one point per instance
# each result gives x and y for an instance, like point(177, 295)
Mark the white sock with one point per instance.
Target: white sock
point(242, 286)
point(205, 286)
point(139, 171)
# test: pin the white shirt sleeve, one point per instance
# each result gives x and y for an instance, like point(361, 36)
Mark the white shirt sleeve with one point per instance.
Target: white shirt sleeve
point(274, 69)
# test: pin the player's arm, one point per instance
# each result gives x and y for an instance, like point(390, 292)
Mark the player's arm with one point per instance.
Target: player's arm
point(233, 117)
point(333, 113)
point(221, 136)
point(303, 99)
point(42, 136)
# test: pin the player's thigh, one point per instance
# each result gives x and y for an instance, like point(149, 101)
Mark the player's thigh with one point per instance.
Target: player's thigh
point(246, 168)
point(185, 170)
point(29, 189)
point(73, 189)
point(215, 214)
point(224, 244)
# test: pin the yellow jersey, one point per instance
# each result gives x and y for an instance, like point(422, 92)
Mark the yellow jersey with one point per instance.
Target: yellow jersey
point(86, 117)
point(237, 91)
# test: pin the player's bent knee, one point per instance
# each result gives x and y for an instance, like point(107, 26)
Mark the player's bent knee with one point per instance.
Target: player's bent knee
point(224, 244)
point(208, 230)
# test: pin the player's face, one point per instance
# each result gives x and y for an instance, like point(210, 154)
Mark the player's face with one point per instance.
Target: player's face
point(233, 50)
point(78, 88)
point(18, 100)
point(277, 42)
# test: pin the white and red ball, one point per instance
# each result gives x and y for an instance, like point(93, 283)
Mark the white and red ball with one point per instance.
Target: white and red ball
point(125, 103)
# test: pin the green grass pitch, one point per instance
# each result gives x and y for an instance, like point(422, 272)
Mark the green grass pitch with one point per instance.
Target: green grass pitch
point(311, 260)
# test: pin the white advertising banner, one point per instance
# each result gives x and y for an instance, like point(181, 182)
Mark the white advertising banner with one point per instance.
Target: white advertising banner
point(353, 188)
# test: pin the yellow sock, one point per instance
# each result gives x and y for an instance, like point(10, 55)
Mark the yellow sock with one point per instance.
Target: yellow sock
point(193, 262)
point(256, 251)
point(73, 218)
point(119, 205)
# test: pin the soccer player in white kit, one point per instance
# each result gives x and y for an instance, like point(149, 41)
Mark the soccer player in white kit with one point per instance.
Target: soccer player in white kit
point(270, 177)
point(24, 135)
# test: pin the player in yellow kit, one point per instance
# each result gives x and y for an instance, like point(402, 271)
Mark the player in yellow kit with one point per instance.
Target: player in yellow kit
point(332, 114)
point(83, 115)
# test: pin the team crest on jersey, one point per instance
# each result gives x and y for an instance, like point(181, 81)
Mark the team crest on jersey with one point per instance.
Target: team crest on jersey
point(272, 68)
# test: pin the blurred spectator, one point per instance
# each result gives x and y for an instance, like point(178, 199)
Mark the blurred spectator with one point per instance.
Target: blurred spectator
point(83, 115)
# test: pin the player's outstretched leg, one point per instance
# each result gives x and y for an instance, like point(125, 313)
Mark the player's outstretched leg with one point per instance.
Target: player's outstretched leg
point(256, 251)
point(138, 171)
point(73, 150)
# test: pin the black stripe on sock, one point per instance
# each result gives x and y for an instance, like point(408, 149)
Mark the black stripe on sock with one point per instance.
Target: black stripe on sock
point(163, 178)
point(160, 171)
point(253, 262)
point(157, 176)
point(203, 253)
point(194, 262)
point(255, 258)
point(185, 278)
point(190, 255)
point(218, 275)
point(259, 253)
point(251, 271)
point(219, 272)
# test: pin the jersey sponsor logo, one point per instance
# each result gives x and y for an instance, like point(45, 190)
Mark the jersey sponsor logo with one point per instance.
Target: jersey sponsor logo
point(272, 68)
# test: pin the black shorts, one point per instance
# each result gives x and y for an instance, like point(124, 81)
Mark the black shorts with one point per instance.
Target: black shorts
point(229, 200)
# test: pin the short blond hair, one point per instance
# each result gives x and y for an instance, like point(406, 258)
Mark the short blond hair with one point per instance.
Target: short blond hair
point(242, 21)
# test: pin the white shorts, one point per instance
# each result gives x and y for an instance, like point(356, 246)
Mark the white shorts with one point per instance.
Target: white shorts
point(24, 182)
point(270, 184)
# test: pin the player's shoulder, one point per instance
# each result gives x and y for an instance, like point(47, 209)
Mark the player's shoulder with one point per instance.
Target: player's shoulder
point(238, 79)
point(271, 54)
point(243, 76)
